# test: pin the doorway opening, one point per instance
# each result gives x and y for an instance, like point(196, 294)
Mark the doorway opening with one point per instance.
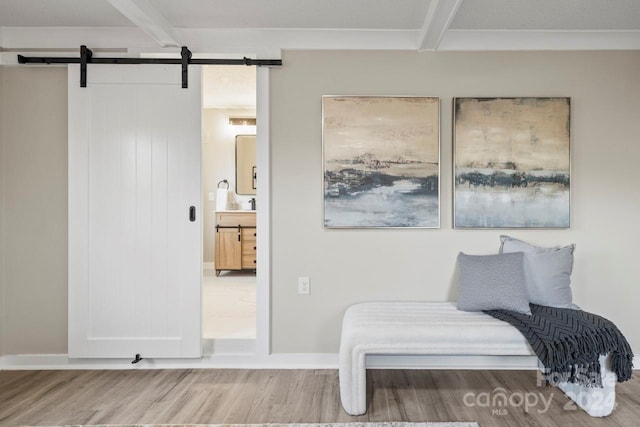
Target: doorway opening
point(230, 188)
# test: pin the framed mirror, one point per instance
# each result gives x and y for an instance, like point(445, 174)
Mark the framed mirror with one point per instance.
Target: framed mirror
point(246, 165)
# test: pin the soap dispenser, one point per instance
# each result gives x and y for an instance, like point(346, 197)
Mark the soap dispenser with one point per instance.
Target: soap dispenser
point(252, 201)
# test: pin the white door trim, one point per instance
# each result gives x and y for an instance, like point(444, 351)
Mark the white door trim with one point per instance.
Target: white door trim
point(263, 215)
point(263, 226)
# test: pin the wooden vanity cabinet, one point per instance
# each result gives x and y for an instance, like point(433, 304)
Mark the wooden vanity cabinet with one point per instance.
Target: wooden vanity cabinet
point(235, 241)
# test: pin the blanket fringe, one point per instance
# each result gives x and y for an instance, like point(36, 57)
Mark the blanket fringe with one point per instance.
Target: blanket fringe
point(574, 355)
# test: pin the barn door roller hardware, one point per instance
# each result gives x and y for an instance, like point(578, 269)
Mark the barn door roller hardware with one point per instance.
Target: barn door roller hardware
point(86, 57)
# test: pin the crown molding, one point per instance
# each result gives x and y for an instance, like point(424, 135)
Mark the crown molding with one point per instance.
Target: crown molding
point(206, 39)
point(307, 39)
point(269, 42)
point(73, 37)
point(485, 40)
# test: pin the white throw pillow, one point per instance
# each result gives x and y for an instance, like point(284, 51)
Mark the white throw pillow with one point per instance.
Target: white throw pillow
point(547, 272)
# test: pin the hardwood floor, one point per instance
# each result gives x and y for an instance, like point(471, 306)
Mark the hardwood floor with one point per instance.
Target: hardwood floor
point(272, 396)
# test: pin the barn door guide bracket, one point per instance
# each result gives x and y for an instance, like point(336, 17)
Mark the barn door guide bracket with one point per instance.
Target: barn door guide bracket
point(86, 57)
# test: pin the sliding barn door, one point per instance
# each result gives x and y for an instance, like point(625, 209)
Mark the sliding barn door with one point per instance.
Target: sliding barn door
point(134, 182)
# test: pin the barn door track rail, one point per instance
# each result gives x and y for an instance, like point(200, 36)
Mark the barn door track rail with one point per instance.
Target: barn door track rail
point(86, 57)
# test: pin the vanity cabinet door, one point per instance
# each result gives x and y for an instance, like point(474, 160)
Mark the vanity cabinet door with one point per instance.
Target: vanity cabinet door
point(228, 249)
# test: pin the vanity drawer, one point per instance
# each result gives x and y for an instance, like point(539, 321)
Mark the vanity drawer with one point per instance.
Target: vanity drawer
point(249, 235)
point(249, 249)
point(232, 219)
point(248, 261)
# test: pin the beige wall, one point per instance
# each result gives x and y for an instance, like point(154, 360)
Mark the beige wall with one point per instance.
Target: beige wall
point(218, 163)
point(34, 169)
point(348, 266)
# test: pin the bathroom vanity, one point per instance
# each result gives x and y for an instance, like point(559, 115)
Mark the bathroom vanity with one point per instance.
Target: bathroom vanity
point(235, 240)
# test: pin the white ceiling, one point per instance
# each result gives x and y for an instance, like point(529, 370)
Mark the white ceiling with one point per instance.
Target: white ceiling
point(375, 14)
point(60, 13)
point(265, 27)
point(342, 14)
point(548, 15)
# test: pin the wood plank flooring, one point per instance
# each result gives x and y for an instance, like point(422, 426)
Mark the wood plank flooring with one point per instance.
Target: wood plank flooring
point(278, 396)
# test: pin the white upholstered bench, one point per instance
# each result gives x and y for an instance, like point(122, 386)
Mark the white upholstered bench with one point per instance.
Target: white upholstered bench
point(438, 328)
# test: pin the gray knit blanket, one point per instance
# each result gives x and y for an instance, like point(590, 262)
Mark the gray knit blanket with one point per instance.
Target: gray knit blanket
point(569, 342)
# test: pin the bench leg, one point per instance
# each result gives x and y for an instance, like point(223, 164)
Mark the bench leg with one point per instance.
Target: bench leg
point(597, 402)
point(353, 382)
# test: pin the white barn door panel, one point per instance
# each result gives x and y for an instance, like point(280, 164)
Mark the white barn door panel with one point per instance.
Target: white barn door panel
point(134, 172)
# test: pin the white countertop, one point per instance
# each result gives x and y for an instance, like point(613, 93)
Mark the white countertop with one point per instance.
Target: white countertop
point(236, 211)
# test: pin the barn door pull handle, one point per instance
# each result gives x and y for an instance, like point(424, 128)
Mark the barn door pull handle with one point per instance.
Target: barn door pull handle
point(192, 213)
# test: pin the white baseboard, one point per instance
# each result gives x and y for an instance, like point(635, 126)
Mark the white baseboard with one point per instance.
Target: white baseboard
point(273, 361)
point(228, 361)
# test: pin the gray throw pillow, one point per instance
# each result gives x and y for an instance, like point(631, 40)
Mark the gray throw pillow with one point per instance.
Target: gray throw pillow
point(547, 271)
point(491, 282)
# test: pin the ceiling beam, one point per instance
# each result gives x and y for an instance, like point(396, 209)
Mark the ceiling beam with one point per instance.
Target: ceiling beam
point(436, 23)
point(148, 19)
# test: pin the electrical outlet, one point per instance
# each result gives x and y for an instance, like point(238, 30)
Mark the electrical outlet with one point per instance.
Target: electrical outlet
point(304, 286)
point(212, 196)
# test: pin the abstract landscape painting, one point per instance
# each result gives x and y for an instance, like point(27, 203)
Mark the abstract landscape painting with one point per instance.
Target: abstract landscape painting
point(381, 161)
point(512, 162)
